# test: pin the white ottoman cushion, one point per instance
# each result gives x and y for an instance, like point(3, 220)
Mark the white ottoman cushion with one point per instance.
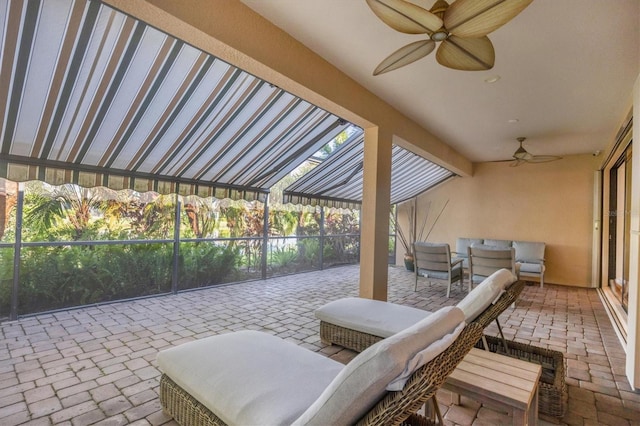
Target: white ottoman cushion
point(370, 316)
point(249, 377)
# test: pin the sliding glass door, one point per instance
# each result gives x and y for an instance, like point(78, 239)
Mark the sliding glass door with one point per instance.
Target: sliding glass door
point(619, 219)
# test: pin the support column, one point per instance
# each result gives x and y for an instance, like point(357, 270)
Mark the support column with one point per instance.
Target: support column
point(374, 232)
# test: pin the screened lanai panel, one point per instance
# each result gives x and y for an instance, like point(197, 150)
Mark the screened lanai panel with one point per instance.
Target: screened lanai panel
point(92, 96)
point(337, 181)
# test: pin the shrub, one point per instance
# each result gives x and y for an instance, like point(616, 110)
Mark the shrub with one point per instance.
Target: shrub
point(203, 264)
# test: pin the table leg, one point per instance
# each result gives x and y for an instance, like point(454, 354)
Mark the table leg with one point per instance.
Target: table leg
point(533, 409)
point(520, 417)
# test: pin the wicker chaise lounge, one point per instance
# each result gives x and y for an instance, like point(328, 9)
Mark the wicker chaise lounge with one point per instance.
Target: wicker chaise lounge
point(249, 377)
point(357, 323)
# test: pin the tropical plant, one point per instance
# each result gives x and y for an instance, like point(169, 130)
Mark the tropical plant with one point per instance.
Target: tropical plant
point(203, 264)
point(8, 201)
point(201, 217)
point(67, 205)
point(413, 234)
point(64, 276)
point(309, 249)
point(283, 257)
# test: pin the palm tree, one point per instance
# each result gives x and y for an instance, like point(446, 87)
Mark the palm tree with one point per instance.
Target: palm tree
point(46, 209)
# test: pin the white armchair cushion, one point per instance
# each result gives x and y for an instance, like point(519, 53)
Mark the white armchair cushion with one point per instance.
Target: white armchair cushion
point(529, 252)
point(497, 243)
point(531, 268)
point(485, 293)
point(463, 243)
point(364, 380)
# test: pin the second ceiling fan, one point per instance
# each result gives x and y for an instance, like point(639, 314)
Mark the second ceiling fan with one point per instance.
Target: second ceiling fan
point(522, 156)
point(461, 28)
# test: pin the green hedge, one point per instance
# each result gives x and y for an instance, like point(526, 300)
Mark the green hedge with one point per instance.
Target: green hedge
point(65, 276)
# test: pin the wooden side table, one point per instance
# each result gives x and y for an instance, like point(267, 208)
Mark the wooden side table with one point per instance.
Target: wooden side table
point(499, 380)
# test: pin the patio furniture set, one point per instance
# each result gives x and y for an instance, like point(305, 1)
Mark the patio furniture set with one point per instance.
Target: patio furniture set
point(405, 356)
point(476, 258)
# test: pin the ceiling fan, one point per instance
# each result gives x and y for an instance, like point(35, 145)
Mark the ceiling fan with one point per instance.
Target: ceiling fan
point(522, 156)
point(461, 27)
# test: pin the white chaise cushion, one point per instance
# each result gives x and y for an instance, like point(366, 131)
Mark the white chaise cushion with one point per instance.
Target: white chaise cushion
point(485, 293)
point(364, 380)
point(424, 356)
point(374, 317)
point(250, 377)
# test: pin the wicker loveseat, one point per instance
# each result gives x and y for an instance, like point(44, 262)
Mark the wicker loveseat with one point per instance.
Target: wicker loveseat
point(251, 377)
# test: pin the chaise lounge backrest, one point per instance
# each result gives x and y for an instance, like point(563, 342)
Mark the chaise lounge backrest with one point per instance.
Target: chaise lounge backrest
point(396, 407)
point(480, 303)
point(363, 381)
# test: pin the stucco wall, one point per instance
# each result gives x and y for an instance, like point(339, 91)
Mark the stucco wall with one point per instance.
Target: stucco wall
point(550, 202)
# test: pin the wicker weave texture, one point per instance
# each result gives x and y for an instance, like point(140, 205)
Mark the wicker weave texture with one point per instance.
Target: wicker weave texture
point(346, 337)
point(396, 407)
point(185, 409)
point(552, 389)
point(418, 420)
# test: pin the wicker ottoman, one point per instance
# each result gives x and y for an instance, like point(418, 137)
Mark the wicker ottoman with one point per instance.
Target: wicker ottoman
point(552, 390)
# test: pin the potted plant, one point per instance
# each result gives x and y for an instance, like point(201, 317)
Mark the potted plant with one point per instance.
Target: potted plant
point(407, 240)
point(406, 243)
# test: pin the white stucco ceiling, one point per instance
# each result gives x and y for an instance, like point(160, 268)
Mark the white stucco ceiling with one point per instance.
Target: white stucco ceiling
point(567, 69)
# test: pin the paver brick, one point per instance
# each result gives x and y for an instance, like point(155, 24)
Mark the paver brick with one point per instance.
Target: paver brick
point(11, 399)
point(142, 411)
point(110, 378)
point(116, 405)
point(75, 399)
point(45, 407)
point(104, 392)
point(38, 394)
point(105, 355)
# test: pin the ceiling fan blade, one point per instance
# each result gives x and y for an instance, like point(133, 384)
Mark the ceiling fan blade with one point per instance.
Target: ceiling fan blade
point(405, 55)
point(543, 158)
point(467, 54)
point(477, 18)
point(405, 17)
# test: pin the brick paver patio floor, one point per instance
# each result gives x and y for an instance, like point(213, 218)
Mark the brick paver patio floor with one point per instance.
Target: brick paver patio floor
point(96, 365)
